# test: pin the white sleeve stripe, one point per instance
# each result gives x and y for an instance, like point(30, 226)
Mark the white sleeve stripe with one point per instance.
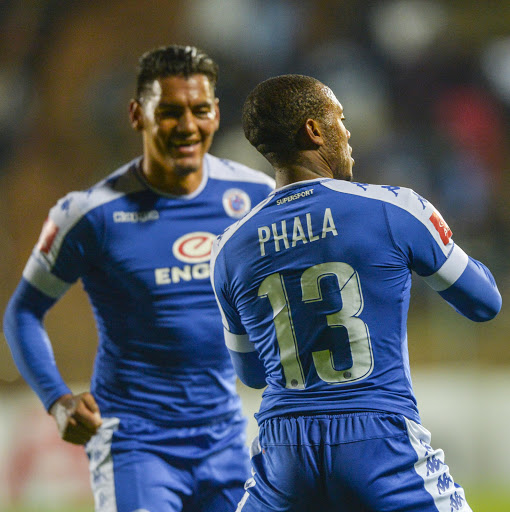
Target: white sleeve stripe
point(238, 342)
point(43, 280)
point(451, 270)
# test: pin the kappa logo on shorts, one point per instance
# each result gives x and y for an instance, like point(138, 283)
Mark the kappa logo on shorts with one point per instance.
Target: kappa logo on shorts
point(194, 247)
point(236, 202)
point(442, 228)
point(47, 237)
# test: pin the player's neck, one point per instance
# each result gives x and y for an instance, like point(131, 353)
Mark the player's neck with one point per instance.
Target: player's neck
point(171, 181)
point(300, 171)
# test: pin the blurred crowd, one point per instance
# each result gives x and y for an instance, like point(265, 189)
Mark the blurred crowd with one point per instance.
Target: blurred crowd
point(425, 86)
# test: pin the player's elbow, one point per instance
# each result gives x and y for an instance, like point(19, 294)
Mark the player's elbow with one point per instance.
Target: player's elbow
point(249, 369)
point(255, 382)
point(488, 310)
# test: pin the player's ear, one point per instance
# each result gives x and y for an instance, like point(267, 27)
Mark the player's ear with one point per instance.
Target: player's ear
point(310, 135)
point(136, 115)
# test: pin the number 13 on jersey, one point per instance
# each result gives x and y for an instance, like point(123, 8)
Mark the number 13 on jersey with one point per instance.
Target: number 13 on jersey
point(273, 288)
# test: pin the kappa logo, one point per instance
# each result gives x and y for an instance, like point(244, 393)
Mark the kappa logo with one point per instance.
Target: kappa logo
point(236, 202)
point(442, 228)
point(133, 217)
point(194, 247)
point(47, 237)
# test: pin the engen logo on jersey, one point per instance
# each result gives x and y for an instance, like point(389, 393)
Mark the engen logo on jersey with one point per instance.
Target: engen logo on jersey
point(236, 202)
point(442, 228)
point(47, 237)
point(194, 247)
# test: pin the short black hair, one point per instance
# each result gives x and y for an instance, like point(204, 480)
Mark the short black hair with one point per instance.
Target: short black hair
point(277, 108)
point(173, 60)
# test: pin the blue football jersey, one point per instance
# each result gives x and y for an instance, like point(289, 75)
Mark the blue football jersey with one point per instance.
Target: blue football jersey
point(143, 258)
point(316, 282)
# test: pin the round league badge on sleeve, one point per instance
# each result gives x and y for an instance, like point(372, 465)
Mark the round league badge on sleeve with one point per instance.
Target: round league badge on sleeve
point(236, 202)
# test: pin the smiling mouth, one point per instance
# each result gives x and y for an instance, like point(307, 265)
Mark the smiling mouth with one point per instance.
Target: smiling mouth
point(186, 146)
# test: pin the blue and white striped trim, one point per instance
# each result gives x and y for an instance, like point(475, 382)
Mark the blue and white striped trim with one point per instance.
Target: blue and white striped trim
point(431, 467)
point(255, 449)
point(99, 451)
point(43, 280)
point(238, 342)
point(450, 272)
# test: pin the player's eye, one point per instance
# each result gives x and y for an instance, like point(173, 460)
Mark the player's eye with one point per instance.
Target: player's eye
point(203, 113)
point(168, 114)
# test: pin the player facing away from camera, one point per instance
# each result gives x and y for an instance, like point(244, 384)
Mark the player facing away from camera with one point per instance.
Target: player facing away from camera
point(314, 289)
point(162, 423)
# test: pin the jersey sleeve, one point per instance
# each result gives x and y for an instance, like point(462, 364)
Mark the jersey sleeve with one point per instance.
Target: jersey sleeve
point(245, 360)
point(65, 246)
point(425, 241)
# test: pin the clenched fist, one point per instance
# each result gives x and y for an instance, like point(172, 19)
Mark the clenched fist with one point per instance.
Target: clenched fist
point(77, 417)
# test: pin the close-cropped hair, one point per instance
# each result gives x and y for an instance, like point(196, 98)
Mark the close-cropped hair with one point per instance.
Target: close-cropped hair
point(173, 60)
point(277, 108)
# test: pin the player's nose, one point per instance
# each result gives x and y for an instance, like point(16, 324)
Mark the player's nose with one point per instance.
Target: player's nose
point(186, 122)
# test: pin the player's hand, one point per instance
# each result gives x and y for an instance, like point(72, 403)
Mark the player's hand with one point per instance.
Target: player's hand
point(77, 417)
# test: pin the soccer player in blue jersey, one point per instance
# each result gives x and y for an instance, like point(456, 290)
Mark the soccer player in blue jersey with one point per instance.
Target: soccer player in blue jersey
point(314, 289)
point(162, 422)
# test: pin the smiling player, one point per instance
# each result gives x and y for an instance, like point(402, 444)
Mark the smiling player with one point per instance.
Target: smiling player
point(162, 421)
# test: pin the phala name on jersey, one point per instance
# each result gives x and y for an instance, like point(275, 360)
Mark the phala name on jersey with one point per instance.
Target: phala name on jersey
point(289, 233)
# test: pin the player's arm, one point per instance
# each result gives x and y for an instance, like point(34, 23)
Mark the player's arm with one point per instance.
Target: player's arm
point(243, 354)
point(245, 360)
point(425, 240)
point(77, 417)
point(59, 258)
point(468, 286)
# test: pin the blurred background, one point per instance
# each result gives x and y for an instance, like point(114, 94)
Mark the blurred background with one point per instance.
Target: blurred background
point(425, 86)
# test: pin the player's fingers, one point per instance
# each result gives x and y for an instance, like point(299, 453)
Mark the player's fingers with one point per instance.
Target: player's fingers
point(92, 406)
point(90, 402)
point(76, 433)
point(89, 420)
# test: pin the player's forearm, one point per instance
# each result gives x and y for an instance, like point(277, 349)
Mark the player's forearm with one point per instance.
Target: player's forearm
point(29, 343)
point(475, 293)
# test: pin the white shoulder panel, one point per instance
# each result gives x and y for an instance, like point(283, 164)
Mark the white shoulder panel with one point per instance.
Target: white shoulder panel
point(70, 209)
point(404, 198)
point(228, 170)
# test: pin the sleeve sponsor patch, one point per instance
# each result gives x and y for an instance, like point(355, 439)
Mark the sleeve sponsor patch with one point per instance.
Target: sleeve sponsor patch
point(47, 236)
point(442, 228)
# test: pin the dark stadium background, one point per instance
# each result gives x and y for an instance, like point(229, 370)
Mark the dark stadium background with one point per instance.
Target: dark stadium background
point(425, 85)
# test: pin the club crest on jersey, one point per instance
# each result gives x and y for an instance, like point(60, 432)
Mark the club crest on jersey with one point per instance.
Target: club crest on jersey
point(236, 202)
point(194, 247)
point(442, 228)
point(47, 237)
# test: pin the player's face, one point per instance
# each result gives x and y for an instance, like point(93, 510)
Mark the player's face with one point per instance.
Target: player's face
point(180, 117)
point(337, 139)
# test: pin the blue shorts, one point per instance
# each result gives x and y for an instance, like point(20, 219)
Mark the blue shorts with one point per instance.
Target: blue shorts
point(137, 466)
point(348, 462)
